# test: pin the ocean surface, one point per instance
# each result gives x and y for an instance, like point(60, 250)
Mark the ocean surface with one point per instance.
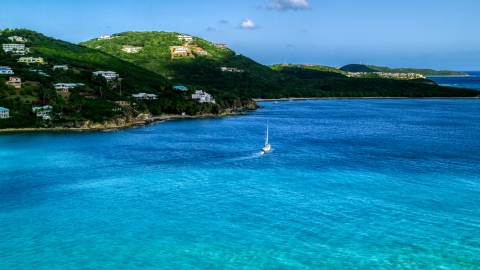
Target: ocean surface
point(472, 81)
point(349, 184)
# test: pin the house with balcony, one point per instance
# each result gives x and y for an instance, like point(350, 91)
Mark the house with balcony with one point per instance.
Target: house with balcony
point(17, 39)
point(108, 75)
point(185, 38)
point(43, 111)
point(4, 113)
point(131, 49)
point(6, 70)
point(15, 82)
point(30, 60)
point(144, 96)
point(65, 87)
point(18, 49)
point(220, 45)
point(179, 50)
point(202, 97)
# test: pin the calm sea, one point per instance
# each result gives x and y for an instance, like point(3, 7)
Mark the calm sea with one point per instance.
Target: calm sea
point(472, 81)
point(349, 184)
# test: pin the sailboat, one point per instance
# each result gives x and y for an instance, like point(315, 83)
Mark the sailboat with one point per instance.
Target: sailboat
point(266, 147)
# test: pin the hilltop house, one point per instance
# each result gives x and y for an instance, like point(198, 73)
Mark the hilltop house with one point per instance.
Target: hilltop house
point(104, 37)
point(108, 75)
point(144, 96)
point(17, 39)
point(6, 70)
point(64, 67)
point(180, 88)
point(4, 113)
point(220, 45)
point(18, 49)
point(185, 37)
point(131, 49)
point(64, 87)
point(15, 82)
point(202, 97)
point(29, 60)
point(43, 111)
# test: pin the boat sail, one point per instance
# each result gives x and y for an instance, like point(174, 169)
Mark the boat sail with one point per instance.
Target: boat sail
point(266, 147)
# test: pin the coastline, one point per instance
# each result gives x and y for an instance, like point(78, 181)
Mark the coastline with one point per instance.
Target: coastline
point(151, 120)
point(315, 98)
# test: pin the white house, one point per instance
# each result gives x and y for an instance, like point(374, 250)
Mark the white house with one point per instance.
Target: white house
point(229, 69)
point(131, 49)
point(4, 113)
point(140, 96)
point(6, 70)
point(202, 97)
point(64, 87)
point(104, 37)
point(185, 37)
point(64, 67)
point(43, 111)
point(18, 49)
point(108, 75)
point(18, 39)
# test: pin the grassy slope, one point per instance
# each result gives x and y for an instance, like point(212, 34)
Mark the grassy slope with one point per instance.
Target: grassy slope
point(258, 80)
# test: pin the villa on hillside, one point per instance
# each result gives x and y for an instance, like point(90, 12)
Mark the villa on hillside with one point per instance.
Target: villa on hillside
point(231, 69)
point(104, 37)
point(18, 49)
point(202, 97)
point(4, 113)
point(64, 87)
point(220, 45)
point(15, 82)
point(108, 75)
point(144, 96)
point(43, 111)
point(185, 37)
point(131, 49)
point(64, 67)
point(17, 39)
point(29, 60)
point(6, 70)
point(180, 88)
point(180, 50)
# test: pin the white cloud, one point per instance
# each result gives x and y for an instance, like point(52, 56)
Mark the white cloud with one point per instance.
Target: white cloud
point(289, 4)
point(248, 24)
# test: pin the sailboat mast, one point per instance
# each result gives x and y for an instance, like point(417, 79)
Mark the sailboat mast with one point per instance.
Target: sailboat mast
point(266, 135)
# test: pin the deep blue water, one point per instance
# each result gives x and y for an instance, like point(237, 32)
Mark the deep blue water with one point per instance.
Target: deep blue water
point(471, 82)
point(350, 184)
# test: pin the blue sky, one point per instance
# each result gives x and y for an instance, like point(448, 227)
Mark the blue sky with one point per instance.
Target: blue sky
point(410, 33)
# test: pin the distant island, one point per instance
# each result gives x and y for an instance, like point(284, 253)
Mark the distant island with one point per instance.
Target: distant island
point(135, 77)
point(359, 68)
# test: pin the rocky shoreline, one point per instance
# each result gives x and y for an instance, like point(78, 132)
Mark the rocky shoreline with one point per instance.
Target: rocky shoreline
point(237, 107)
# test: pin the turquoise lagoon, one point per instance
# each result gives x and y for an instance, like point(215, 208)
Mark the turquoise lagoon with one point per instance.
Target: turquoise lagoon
point(350, 184)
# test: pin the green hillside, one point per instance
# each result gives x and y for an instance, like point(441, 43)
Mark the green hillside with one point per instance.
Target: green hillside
point(357, 68)
point(257, 81)
point(94, 99)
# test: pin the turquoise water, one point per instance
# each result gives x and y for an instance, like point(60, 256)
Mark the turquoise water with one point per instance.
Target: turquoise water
point(350, 184)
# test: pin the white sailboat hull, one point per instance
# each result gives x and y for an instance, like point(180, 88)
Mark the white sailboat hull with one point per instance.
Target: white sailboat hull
point(266, 148)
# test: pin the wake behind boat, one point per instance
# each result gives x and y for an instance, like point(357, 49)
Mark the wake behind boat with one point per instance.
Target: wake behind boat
point(266, 147)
